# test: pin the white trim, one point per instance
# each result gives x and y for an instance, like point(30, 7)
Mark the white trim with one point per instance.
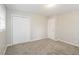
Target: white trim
point(74, 44)
point(69, 42)
point(50, 38)
point(36, 39)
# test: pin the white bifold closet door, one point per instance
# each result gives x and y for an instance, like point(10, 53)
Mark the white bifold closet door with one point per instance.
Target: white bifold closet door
point(21, 29)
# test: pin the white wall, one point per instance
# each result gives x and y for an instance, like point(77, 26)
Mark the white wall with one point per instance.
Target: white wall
point(38, 23)
point(67, 28)
point(39, 27)
point(51, 27)
point(2, 31)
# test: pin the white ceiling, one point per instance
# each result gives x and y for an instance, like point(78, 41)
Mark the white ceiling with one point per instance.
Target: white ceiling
point(42, 9)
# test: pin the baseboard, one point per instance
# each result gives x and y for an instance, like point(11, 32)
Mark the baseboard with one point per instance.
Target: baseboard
point(74, 44)
point(37, 39)
point(27, 41)
point(52, 38)
point(9, 45)
point(49, 38)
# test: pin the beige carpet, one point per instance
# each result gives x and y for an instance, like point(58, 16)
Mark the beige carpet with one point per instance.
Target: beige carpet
point(43, 47)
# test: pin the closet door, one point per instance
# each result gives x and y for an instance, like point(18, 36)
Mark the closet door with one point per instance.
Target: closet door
point(21, 30)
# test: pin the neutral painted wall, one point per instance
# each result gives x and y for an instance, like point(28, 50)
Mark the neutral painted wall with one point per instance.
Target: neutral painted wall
point(67, 28)
point(39, 27)
point(38, 24)
point(2, 32)
point(51, 27)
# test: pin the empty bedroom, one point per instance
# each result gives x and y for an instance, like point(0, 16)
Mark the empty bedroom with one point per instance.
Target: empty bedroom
point(39, 29)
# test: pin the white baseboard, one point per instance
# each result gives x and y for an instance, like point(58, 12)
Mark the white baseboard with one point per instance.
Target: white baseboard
point(9, 45)
point(52, 38)
point(74, 44)
point(49, 38)
point(27, 41)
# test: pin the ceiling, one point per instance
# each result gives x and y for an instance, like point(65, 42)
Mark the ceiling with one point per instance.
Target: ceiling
point(42, 9)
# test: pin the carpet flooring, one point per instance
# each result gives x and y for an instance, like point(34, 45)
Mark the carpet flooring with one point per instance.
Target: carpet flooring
point(43, 47)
